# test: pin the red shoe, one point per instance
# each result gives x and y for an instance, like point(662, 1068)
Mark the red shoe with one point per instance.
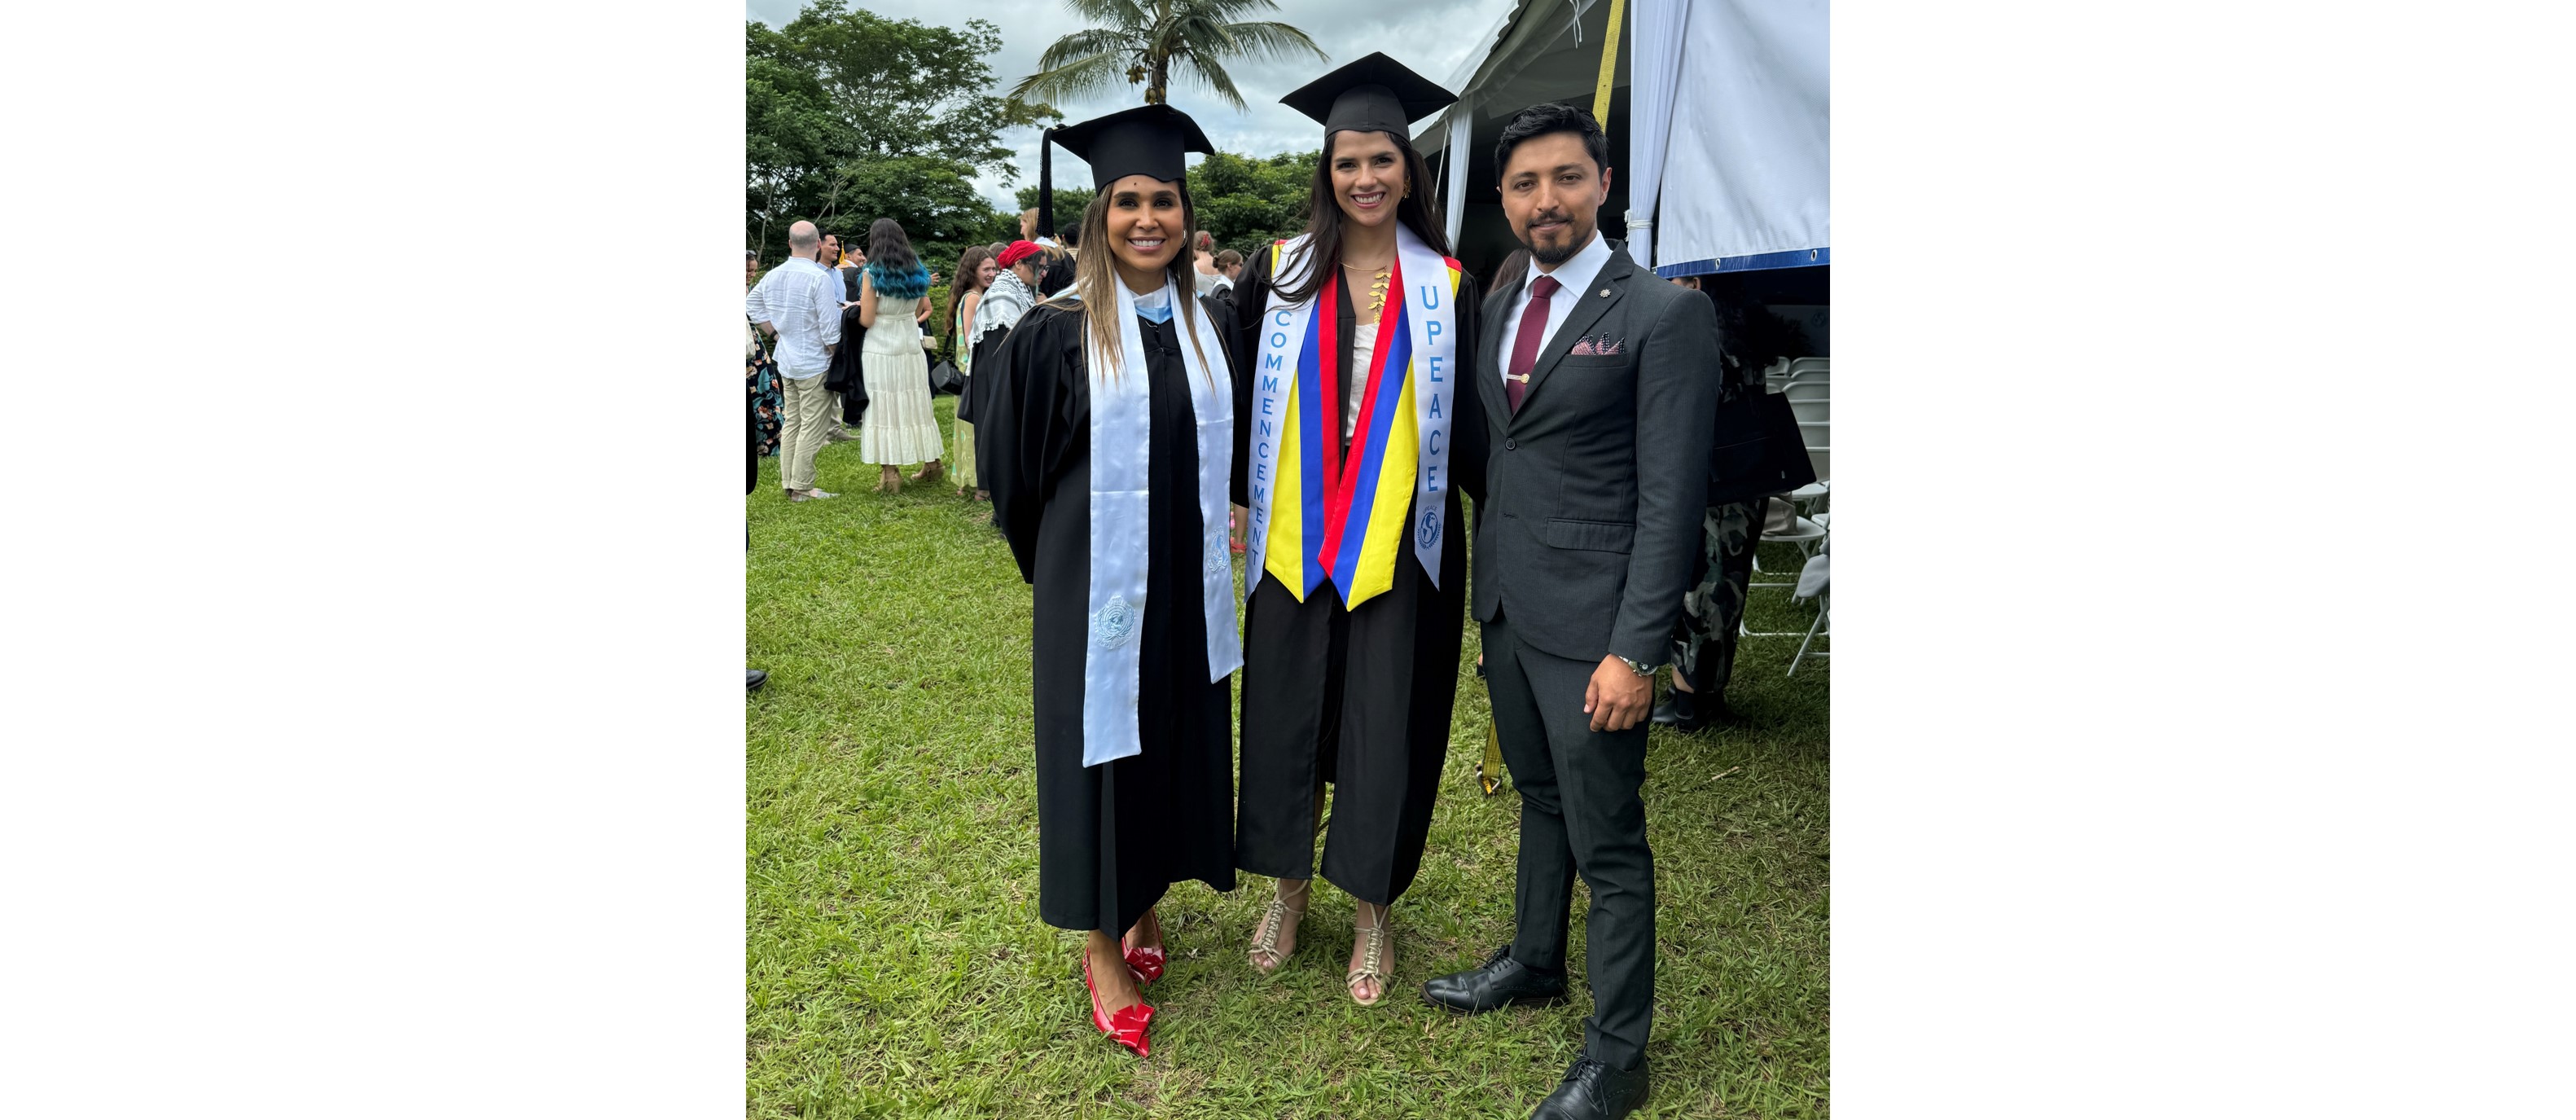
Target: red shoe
point(1146, 962)
point(1127, 1026)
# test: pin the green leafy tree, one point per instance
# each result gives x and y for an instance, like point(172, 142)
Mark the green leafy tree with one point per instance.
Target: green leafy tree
point(1246, 203)
point(934, 201)
point(1142, 42)
point(842, 105)
point(1069, 202)
point(787, 142)
point(1242, 201)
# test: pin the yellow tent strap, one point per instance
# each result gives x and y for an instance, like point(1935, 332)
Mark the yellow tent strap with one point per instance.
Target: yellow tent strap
point(1609, 66)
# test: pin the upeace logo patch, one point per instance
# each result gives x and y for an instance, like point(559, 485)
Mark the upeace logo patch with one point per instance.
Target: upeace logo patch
point(1426, 531)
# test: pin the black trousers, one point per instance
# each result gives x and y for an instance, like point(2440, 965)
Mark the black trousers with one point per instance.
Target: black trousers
point(1580, 812)
point(1360, 699)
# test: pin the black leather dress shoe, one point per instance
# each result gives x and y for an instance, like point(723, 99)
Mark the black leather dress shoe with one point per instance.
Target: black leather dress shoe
point(1687, 712)
point(1500, 983)
point(1594, 1091)
point(757, 677)
point(1681, 713)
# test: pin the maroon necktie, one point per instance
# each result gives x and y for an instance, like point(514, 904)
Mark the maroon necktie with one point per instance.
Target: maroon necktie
point(1525, 343)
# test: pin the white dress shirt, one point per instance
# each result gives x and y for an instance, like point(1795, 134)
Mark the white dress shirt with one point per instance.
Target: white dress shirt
point(802, 300)
point(1576, 273)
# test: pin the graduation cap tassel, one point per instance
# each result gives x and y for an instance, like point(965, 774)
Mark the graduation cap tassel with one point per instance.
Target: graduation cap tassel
point(1046, 184)
point(1489, 770)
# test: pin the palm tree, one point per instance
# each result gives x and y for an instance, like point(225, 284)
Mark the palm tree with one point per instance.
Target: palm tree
point(1141, 41)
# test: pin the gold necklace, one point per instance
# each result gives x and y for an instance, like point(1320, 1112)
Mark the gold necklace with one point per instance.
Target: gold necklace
point(1377, 286)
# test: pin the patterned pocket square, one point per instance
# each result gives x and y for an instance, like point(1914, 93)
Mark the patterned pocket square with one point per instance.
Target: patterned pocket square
point(1602, 346)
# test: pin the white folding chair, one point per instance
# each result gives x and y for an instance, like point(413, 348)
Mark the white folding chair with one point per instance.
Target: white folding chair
point(1802, 533)
point(1808, 532)
point(1817, 366)
point(1815, 582)
point(1816, 430)
point(1808, 401)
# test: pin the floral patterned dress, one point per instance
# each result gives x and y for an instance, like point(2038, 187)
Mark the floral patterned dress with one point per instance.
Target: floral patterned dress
point(760, 380)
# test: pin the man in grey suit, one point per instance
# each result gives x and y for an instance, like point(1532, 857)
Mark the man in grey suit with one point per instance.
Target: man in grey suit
point(1599, 408)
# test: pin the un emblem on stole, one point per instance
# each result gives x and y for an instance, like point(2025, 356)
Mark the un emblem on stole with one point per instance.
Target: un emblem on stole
point(1426, 532)
point(1114, 625)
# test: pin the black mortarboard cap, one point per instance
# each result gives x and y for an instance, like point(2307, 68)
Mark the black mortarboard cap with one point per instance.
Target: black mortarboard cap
point(1149, 140)
point(1374, 94)
point(1146, 140)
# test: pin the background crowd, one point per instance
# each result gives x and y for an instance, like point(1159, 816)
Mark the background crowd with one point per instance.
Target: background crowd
point(911, 331)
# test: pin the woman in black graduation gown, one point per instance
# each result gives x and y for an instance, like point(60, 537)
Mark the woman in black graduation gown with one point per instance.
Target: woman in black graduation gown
point(1350, 679)
point(1134, 757)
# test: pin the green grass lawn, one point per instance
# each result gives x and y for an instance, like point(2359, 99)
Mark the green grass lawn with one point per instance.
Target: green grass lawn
point(896, 965)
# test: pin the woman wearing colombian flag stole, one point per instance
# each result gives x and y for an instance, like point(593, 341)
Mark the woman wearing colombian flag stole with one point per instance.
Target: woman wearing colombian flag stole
point(1110, 440)
point(1357, 432)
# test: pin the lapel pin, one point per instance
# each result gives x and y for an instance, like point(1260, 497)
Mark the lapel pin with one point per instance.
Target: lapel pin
point(1605, 293)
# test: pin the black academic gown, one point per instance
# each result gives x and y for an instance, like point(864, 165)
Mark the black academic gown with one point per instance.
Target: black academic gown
point(1361, 699)
point(1111, 838)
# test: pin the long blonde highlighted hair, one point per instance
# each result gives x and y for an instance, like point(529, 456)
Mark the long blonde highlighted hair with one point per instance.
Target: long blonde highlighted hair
point(1096, 270)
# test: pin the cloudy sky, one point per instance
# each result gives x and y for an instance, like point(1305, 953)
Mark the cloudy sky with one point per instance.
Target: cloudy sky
point(1434, 37)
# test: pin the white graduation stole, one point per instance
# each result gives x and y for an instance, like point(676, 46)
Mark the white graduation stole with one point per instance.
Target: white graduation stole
point(1121, 439)
point(1431, 316)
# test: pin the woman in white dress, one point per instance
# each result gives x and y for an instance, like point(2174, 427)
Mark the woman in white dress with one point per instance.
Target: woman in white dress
point(975, 271)
point(900, 427)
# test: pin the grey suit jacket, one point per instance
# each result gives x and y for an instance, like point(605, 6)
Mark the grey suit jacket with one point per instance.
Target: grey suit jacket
point(1590, 526)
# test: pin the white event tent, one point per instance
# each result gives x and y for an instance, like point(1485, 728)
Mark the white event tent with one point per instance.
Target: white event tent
point(1717, 113)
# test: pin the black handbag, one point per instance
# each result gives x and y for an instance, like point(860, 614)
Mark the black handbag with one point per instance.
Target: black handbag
point(944, 378)
point(1758, 451)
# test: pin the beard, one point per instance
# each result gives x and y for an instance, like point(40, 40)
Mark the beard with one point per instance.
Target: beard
point(1561, 248)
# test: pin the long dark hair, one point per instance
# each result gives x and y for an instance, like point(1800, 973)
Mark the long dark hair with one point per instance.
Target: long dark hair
point(891, 265)
point(1324, 215)
point(969, 263)
point(962, 283)
point(889, 247)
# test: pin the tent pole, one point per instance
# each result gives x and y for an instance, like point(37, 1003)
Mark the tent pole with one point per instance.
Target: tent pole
point(1609, 67)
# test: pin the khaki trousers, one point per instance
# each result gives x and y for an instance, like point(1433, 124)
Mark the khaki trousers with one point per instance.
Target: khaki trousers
point(833, 432)
point(809, 416)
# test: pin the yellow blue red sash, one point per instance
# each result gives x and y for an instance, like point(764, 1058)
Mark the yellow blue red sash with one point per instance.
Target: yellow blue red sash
point(1322, 516)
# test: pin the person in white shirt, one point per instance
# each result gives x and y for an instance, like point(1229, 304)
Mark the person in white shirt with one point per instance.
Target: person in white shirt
point(800, 303)
point(1203, 262)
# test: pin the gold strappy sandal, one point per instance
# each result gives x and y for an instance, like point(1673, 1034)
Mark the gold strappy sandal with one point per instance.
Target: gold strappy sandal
point(1278, 919)
point(1373, 947)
